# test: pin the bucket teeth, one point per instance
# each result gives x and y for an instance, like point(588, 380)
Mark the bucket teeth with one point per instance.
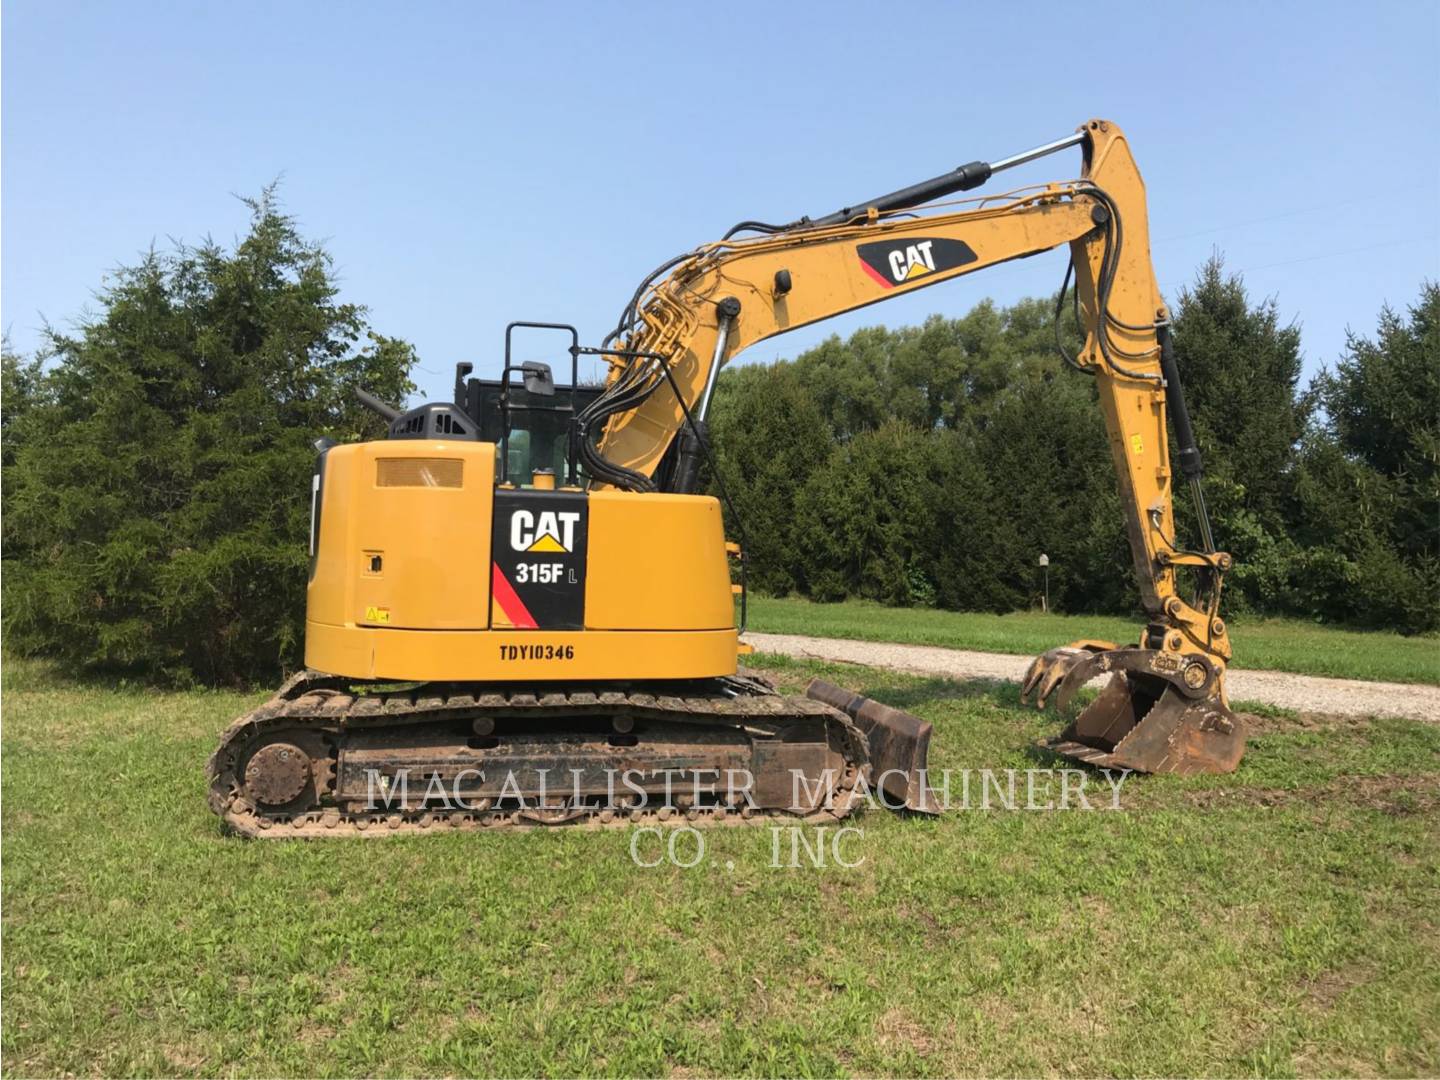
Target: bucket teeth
point(1085, 755)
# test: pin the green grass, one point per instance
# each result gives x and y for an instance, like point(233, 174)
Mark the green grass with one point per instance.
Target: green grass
point(1271, 644)
point(1279, 921)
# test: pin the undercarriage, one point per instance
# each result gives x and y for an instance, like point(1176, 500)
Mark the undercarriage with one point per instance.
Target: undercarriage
point(327, 756)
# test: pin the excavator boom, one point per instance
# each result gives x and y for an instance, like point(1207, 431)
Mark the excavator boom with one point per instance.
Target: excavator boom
point(723, 297)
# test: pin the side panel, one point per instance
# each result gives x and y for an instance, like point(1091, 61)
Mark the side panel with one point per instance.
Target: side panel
point(404, 536)
point(657, 562)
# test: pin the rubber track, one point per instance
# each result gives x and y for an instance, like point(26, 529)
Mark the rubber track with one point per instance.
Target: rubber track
point(329, 704)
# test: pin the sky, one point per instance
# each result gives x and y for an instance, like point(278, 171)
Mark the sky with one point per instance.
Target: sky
point(470, 164)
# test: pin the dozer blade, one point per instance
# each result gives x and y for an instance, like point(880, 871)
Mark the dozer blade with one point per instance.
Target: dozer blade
point(1159, 712)
point(899, 745)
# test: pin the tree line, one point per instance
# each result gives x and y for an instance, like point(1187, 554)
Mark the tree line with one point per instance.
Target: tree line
point(933, 465)
point(156, 461)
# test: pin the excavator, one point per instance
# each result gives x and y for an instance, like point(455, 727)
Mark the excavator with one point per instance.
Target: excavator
point(523, 610)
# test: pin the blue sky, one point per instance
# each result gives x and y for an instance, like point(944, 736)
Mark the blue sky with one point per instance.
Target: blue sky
point(469, 164)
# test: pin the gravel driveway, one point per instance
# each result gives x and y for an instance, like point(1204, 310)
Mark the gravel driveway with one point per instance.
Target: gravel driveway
point(1308, 693)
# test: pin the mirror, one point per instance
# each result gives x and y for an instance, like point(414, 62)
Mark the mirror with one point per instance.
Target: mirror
point(538, 379)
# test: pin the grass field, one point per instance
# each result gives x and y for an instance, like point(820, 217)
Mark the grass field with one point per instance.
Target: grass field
point(1278, 921)
point(1273, 644)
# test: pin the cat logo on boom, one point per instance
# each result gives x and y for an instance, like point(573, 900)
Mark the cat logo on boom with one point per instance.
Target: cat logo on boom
point(554, 531)
point(903, 260)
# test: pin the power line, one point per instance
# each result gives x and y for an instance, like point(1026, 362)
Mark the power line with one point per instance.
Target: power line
point(1285, 214)
point(1323, 255)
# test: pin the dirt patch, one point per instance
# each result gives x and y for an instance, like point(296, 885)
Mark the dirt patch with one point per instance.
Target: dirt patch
point(936, 936)
point(1327, 988)
point(898, 1031)
point(183, 1059)
point(310, 1034)
point(1398, 796)
point(1278, 724)
point(787, 682)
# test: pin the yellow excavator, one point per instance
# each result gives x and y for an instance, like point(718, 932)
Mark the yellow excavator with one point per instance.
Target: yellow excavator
point(521, 611)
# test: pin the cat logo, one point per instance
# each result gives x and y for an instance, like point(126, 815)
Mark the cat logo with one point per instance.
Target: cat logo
point(900, 262)
point(552, 532)
point(912, 262)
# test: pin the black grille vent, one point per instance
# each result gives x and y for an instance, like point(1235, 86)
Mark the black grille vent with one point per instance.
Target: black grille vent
point(432, 421)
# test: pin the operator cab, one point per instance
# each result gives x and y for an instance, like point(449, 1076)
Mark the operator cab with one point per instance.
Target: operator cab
point(530, 423)
point(529, 420)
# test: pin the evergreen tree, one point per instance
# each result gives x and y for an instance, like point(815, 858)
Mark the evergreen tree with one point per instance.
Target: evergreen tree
point(1383, 406)
point(1044, 447)
point(850, 380)
point(1240, 369)
point(22, 388)
point(967, 556)
point(1369, 492)
point(157, 481)
point(769, 437)
point(868, 518)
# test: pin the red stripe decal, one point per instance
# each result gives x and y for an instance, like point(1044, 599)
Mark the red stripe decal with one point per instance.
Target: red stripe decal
point(514, 608)
point(879, 277)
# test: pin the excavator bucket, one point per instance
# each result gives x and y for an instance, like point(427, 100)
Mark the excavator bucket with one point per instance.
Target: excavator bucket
point(899, 745)
point(1159, 713)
